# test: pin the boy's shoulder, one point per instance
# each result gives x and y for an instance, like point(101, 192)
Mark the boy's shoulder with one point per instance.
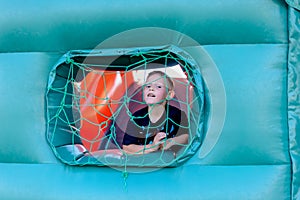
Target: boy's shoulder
point(174, 110)
point(141, 112)
point(177, 114)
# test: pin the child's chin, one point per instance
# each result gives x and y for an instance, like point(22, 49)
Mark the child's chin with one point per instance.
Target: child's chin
point(150, 102)
point(153, 102)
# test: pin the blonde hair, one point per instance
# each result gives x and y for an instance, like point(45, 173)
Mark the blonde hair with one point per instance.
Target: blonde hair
point(168, 78)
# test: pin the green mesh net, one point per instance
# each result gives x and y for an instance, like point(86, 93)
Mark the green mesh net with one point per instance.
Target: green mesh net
point(134, 107)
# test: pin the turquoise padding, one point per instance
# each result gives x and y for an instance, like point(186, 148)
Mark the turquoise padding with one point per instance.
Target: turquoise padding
point(23, 124)
point(294, 3)
point(78, 25)
point(293, 97)
point(256, 108)
point(48, 181)
point(256, 50)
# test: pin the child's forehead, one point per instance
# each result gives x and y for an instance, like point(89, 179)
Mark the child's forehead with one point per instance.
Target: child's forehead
point(155, 77)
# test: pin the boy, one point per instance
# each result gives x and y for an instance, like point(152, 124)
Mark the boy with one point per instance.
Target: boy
point(159, 126)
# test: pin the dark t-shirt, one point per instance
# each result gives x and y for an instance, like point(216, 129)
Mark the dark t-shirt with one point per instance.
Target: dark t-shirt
point(141, 131)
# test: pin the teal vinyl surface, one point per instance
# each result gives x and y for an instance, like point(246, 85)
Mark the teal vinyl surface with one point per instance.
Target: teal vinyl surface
point(255, 48)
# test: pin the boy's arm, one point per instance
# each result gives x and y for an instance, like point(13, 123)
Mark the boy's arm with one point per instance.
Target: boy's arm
point(178, 140)
point(143, 149)
point(139, 149)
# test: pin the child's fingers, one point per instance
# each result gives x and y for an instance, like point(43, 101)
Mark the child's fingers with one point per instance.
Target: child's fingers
point(159, 136)
point(162, 134)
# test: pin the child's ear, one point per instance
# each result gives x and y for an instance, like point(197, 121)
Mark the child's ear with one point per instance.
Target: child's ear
point(171, 94)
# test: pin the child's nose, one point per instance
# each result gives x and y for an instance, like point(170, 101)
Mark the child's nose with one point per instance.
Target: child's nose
point(151, 87)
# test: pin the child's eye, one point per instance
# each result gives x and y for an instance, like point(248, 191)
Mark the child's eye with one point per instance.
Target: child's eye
point(159, 86)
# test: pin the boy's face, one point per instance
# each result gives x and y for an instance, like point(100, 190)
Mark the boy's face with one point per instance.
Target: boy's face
point(155, 90)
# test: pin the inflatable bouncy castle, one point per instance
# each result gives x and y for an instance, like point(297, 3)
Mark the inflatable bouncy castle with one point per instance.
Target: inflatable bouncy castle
point(150, 100)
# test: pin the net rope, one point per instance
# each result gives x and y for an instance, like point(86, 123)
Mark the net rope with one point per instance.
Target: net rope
point(76, 94)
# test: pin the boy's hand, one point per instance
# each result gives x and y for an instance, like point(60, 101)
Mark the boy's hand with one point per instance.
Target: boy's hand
point(157, 141)
point(169, 143)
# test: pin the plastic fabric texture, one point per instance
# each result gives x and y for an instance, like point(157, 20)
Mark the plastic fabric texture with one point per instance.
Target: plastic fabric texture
point(294, 3)
point(64, 27)
point(294, 98)
point(190, 182)
point(253, 66)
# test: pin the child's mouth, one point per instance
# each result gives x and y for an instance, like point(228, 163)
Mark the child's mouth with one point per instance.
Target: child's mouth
point(150, 95)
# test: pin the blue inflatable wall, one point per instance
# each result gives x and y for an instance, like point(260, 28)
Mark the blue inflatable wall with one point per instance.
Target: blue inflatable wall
point(255, 48)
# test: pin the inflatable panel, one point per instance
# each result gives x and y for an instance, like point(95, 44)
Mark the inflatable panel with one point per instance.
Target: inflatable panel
point(247, 53)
